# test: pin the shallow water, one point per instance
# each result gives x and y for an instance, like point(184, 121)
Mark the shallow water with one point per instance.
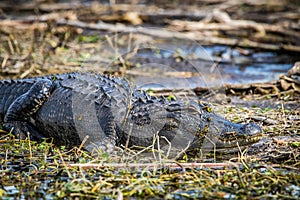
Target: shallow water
point(169, 64)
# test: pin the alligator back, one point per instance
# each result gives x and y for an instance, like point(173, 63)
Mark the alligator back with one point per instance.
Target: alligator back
point(83, 105)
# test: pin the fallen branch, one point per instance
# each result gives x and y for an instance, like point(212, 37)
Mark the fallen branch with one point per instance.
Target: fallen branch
point(163, 33)
point(261, 28)
point(147, 12)
point(152, 165)
point(198, 31)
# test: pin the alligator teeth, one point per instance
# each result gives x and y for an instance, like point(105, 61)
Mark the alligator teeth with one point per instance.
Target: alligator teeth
point(229, 142)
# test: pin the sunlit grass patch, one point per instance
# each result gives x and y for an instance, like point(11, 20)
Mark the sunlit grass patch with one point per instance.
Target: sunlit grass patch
point(32, 170)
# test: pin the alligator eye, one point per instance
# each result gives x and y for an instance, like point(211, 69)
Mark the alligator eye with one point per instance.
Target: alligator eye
point(207, 109)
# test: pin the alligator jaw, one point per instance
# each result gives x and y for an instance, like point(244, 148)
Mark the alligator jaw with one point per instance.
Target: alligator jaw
point(214, 133)
point(236, 142)
point(229, 137)
point(241, 135)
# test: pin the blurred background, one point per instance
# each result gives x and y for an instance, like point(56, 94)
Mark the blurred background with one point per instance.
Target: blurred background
point(203, 43)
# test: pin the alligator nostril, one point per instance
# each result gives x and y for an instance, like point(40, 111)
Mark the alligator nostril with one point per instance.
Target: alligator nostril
point(252, 129)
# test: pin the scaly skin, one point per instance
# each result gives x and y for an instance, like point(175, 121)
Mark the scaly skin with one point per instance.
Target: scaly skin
point(110, 111)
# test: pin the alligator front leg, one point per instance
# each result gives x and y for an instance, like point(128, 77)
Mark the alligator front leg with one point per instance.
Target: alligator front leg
point(106, 137)
point(18, 116)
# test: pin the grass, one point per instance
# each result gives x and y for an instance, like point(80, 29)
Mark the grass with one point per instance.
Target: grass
point(33, 170)
point(38, 170)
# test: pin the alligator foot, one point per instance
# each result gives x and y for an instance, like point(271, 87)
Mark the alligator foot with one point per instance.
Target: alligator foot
point(105, 146)
point(23, 130)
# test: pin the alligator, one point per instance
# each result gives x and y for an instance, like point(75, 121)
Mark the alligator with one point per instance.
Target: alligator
point(103, 111)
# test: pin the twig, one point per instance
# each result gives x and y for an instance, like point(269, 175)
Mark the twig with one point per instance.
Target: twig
point(150, 165)
point(231, 25)
point(285, 166)
point(162, 33)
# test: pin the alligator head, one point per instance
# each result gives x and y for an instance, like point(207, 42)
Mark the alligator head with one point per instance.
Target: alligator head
point(203, 130)
point(188, 126)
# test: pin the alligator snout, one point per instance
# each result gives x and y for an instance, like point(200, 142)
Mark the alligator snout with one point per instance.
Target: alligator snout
point(251, 129)
point(236, 135)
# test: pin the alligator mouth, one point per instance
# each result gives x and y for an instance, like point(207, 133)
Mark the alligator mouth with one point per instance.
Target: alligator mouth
point(232, 139)
point(222, 143)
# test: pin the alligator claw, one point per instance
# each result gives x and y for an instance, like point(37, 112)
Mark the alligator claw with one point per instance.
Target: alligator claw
point(104, 146)
point(18, 129)
point(23, 130)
